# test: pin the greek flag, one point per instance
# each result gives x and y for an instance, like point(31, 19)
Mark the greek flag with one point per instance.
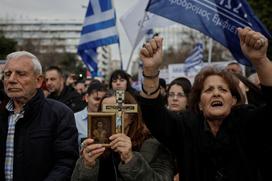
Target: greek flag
point(217, 19)
point(99, 29)
point(194, 62)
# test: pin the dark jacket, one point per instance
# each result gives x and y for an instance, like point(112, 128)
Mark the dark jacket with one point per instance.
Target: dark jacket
point(152, 163)
point(241, 150)
point(70, 97)
point(45, 142)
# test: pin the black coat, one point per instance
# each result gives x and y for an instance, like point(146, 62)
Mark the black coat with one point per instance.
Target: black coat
point(45, 143)
point(241, 151)
point(70, 97)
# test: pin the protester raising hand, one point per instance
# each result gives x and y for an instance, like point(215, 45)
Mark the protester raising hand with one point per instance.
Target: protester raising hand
point(151, 55)
point(254, 46)
point(218, 138)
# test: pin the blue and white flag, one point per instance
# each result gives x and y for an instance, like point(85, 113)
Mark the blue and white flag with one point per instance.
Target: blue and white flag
point(194, 62)
point(218, 19)
point(99, 29)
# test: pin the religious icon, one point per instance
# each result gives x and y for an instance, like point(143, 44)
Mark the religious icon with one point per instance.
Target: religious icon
point(101, 126)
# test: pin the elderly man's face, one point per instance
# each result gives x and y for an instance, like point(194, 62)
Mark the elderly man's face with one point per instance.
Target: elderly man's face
point(20, 80)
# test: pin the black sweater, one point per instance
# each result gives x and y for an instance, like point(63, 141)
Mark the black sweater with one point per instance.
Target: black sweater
point(239, 152)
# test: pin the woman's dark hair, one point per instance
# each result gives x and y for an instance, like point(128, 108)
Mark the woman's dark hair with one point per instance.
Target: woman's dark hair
point(182, 82)
point(198, 86)
point(138, 131)
point(117, 74)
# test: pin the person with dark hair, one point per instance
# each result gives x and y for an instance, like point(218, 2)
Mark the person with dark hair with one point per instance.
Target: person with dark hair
point(71, 79)
point(59, 91)
point(94, 94)
point(219, 138)
point(133, 155)
point(163, 86)
point(38, 136)
point(80, 87)
point(119, 80)
point(177, 94)
point(177, 97)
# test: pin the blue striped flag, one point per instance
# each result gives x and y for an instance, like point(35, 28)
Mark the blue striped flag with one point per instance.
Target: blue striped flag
point(99, 29)
point(194, 62)
point(217, 19)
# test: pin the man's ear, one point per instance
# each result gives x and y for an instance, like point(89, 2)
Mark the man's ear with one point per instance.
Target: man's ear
point(39, 80)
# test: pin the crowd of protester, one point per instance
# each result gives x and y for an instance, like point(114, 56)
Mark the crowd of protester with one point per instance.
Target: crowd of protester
point(216, 129)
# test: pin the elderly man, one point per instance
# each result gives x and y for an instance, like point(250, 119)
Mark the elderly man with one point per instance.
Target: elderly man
point(38, 136)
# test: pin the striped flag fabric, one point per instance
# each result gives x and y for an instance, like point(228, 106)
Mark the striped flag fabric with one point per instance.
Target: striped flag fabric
point(194, 62)
point(99, 29)
point(216, 19)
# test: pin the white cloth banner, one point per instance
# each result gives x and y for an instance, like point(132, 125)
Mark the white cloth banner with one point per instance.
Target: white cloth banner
point(136, 16)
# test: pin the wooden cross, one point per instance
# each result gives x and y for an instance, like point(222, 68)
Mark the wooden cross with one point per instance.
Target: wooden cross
point(120, 108)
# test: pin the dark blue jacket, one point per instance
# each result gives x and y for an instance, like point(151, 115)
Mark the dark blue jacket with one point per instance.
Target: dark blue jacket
point(45, 145)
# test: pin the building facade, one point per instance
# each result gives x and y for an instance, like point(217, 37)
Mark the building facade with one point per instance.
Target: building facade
point(62, 36)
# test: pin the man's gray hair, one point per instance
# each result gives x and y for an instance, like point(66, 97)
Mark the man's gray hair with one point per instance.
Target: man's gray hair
point(37, 67)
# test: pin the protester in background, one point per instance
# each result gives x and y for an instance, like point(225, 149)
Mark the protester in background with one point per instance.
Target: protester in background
point(178, 94)
point(80, 87)
point(134, 155)
point(178, 97)
point(71, 80)
point(60, 92)
point(119, 80)
point(95, 92)
point(38, 136)
point(234, 67)
point(218, 138)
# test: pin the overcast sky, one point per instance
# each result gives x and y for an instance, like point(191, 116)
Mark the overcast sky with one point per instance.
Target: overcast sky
point(53, 9)
point(62, 9)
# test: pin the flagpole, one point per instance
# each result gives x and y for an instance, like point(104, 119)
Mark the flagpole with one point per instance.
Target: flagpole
point(135, 43)
point(119, 44)
point(210, 51)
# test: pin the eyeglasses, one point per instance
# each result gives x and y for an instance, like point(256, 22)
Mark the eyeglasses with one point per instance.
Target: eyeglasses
point(178, 95)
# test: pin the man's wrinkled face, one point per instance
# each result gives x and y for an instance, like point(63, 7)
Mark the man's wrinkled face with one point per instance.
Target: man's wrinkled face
point(20, 80)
